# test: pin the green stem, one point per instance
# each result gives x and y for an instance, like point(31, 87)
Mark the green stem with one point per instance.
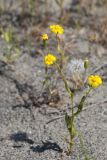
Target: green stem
point(81, 104)
point(64, 80)
point(61, 10)
point(71, 118)
point(60, 52)
point(44, 44)
point(86, 157)
point(46, 81)
point(72, 109)
point(46, 7)
point(87, 93)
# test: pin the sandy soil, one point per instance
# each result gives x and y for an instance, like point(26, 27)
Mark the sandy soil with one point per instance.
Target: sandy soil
point(24, 113)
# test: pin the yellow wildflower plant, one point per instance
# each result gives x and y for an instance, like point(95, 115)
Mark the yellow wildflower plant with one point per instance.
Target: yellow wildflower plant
point(49, 59)
point(94, 81)
point(56, 29)
point(44, 37)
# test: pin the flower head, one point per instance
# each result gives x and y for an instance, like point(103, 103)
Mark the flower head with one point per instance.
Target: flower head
point(56, 29)
point(94, 81)
point(44, 37)
point(49, 59)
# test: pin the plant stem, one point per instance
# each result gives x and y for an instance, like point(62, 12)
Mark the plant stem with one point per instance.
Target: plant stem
point(60, 52)
point(64, 80)
point(71, 129)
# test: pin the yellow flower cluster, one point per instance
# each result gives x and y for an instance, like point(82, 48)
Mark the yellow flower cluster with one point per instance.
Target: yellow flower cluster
point(44, 37)
point(49, 59)
point(56, 29)
point(94, 81)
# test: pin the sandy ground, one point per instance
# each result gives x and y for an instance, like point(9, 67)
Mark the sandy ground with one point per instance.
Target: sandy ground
point(24, 131)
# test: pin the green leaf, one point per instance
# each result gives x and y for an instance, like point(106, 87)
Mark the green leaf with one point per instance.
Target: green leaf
point(68, 121)
point(65, 81)
point(80, 106)
point(8, 35)
point(70, 125)
point(68, 89)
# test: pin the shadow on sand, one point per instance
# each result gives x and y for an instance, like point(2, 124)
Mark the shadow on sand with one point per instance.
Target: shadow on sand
point(46, 146)
point(21, 137)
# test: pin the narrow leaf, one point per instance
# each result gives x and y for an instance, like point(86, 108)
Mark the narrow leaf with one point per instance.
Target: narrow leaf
point(80, 106)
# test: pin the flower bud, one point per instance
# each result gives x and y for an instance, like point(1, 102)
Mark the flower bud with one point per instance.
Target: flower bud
point(86, 64)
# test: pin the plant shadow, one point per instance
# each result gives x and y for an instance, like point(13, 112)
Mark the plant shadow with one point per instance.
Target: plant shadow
point(21, 137)
point(46, 146)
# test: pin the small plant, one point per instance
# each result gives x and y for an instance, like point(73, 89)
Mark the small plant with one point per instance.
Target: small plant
point(60, 3)
point(83, 150)
point(11, 52)
point(32, 6)
point(90, 82)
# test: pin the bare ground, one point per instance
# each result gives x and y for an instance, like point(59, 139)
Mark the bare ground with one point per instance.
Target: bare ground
point(24, 131)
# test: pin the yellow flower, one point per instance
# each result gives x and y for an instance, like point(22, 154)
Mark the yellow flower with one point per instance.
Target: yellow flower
point(49, 59)
point(56, 29)
point(44, 37)
point(94, 81)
